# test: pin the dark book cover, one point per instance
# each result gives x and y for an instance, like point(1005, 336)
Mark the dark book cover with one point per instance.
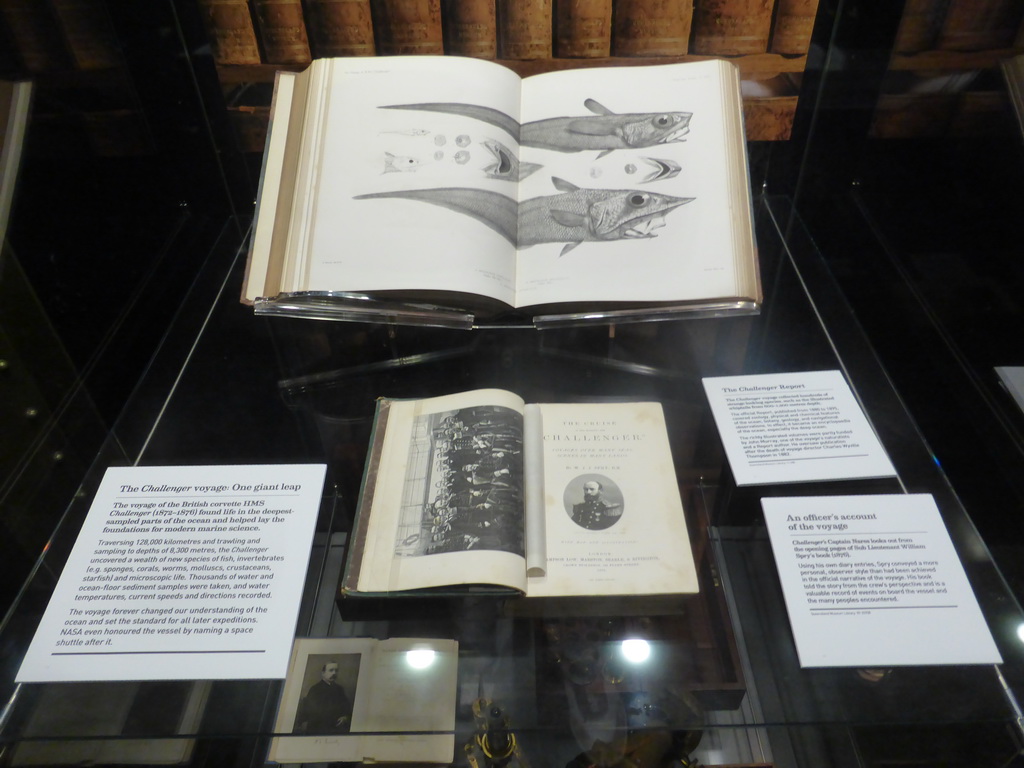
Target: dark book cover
point(283, 31)
point(341, 28)
point(583, 28)
point(408, 27)
point(731, 27)
point(232, 34)
point(524, 29)
point(470, 28)
point(794, 22)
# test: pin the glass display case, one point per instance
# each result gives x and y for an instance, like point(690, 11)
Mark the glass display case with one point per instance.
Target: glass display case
point(176, 371)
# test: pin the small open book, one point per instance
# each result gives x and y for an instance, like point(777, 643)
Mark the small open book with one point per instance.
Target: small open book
point(550, 500)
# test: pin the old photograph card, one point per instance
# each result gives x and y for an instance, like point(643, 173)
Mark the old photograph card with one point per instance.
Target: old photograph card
point(363, 699)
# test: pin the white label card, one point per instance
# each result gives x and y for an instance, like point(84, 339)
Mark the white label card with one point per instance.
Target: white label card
point(874, 581)
point(182, 573)
point(794, 427)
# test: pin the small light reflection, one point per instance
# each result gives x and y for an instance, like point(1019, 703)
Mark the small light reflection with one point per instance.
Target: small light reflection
point(636, 650)
point(420, 658)
point(1020, 632)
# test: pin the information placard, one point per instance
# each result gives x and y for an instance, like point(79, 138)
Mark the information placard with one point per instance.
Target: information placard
point(182, 573)
point(794, 427)
point(874, 581)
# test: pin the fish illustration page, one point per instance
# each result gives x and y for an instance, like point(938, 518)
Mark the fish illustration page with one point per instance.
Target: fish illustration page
point(640, 220)
point(391, 243)
point(426, 174)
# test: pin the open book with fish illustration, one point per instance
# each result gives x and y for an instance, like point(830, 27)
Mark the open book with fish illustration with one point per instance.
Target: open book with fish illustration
point(451, 183)
point(479, 490)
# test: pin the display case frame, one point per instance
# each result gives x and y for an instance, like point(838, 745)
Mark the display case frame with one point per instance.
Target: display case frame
point(218, 385)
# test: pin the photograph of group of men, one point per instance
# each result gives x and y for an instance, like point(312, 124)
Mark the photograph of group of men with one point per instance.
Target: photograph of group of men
point(465, 483)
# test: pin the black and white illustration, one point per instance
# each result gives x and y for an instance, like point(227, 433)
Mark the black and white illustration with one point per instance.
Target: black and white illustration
point(401, 163)
point(505, 163)
point(457, 176)
point(604, 130)
point(463, 487)
point(575, 215)
point(593, 501)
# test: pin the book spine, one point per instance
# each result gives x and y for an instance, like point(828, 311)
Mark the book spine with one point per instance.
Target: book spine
point(232, 34)
point(34, 35)
point(283, 31)
point(769, 119)
point(794, 22)
point(88, 33)
point(470, 28)
point(524, 29)
point(405, 27)
point(731, 27)
point(341, 28)
point(583, 28)
point(919, 26)
point(975, 25)
point(651, 27)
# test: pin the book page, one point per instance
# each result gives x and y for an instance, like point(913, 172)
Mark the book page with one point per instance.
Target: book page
point(794, 427)
point(874, 581)
point(392, 178)
point(412, 687)
point(648, 152)
point(614, 521)
point(182, 573)
point(447, 504)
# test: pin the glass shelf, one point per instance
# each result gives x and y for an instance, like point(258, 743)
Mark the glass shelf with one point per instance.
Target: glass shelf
point(728, 688)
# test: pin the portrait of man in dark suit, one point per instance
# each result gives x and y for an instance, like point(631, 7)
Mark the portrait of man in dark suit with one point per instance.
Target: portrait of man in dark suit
point(595, 512)
point(326, 707)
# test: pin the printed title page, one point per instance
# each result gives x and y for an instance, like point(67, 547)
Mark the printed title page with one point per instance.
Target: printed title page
point(613, 519)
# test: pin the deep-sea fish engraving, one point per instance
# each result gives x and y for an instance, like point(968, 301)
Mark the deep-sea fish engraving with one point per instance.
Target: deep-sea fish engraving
point(663, 169)
point(400, 163)
point(491, 208)
point(604, 130)
point(574, 216)
point(580, 215)
point(506, 165)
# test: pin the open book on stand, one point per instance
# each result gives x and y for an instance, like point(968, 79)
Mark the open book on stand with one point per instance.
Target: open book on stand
point(479, 490)
point(449, 190)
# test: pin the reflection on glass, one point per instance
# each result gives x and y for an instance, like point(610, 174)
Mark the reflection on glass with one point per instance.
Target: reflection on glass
point(420, 658)
point(636, 650)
